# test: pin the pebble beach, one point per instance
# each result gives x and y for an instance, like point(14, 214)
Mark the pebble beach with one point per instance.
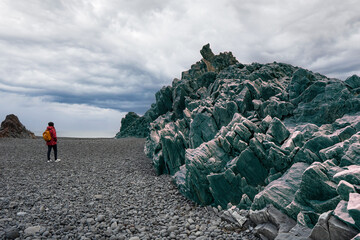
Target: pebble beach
point(101, 189)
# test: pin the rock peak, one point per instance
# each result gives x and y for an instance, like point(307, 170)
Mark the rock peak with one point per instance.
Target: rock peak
point(207, 53)
point(12, 127)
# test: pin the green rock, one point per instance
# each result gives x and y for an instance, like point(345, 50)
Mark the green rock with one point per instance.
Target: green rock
point(203, 128)
point(200, 162)
point(249, 166)
point(224, 112)
point(341, 212)
point(344, 189)
point(164, 100)
point(278, 159)
point(315, 184)
point(317, 143)
point(245, 202)
point(242, 131)
point(300, 80)
point(225, 188)
point(281, 192)
point(352, 156)
point(353, 81)
point(353, 208)
point(307, 218)
point(278, 131)
point(132, 125)
point(351, 174)
point(265, 123)
point(257, 147)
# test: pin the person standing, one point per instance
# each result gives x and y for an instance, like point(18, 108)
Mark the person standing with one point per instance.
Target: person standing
point(52, 144)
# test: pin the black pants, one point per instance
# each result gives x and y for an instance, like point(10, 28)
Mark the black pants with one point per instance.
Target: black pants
point(49, 151)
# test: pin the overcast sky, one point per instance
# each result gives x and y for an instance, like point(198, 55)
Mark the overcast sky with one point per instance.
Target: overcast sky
point(84, 64)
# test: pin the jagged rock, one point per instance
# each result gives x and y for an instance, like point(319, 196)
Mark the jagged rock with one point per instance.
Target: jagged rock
point(353, 81)
point(281, 192)
point(344, 189)
point(256, 134)
point(351, 174)
point(339, 230)
point(353, 208)
point(132, 125)
point(11, 127)
point(352, 155)
point(341, 212)
point(278, 131)
point(317, 190)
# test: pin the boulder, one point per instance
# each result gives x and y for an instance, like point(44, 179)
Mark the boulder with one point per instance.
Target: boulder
point(353, 81)
point(11, 127)
point(278, 131)
point(344, 189)
point(350, 174)
point(281, 192)
point(353, 208)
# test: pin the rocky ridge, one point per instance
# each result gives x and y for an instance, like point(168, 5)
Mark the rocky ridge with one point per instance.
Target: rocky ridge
point(260, 137)
point(11, 127)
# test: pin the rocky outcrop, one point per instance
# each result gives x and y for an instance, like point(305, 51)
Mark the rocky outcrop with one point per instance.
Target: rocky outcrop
point(262, 134)
point(132, 125)
point(11, 127)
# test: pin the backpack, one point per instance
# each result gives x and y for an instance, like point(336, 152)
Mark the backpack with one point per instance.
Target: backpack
point(47, 136)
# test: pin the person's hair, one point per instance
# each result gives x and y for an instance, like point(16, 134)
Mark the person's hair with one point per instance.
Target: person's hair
point(51, 124)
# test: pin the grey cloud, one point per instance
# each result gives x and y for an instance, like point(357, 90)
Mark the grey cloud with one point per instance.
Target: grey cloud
point(117, 54)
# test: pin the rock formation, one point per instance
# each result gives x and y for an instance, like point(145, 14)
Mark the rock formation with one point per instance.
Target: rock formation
point(261, 135)
point(11, 127)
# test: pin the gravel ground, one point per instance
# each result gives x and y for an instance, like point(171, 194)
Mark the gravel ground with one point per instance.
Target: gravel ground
point(101, 189)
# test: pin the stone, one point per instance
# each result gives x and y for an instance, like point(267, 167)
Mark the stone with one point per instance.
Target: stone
point(296, 233)
point(225, 188)
point(267, 230)
point(203, 128)
point(32, 230)
point(11, 127)
point(278, 131)
point(249, 166)
point(352, 156)
point(134, 238)
point(351, 174)
point(321, 229)
point(353, 207)
point(344, 189)
point(281, 192)
point(339, 230)
point(341, 212)
point(353, 81)
point(12, 233)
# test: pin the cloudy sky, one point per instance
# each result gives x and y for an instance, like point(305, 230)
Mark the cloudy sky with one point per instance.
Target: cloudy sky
point(85, 63)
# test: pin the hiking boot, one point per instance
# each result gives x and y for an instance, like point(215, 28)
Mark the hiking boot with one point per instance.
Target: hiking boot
point(57, 160)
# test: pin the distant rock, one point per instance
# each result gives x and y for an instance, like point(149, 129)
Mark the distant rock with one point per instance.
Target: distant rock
point(254, 135)
point(11, 127)
point(132, 125)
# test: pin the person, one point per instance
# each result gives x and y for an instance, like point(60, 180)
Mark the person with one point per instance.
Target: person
point(52, 144)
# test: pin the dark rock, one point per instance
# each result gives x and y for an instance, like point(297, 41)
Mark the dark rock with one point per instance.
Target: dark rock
point(353, 207)
point(353, 81)
point(11, 127)
point(133, 125)
point(12, 233)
